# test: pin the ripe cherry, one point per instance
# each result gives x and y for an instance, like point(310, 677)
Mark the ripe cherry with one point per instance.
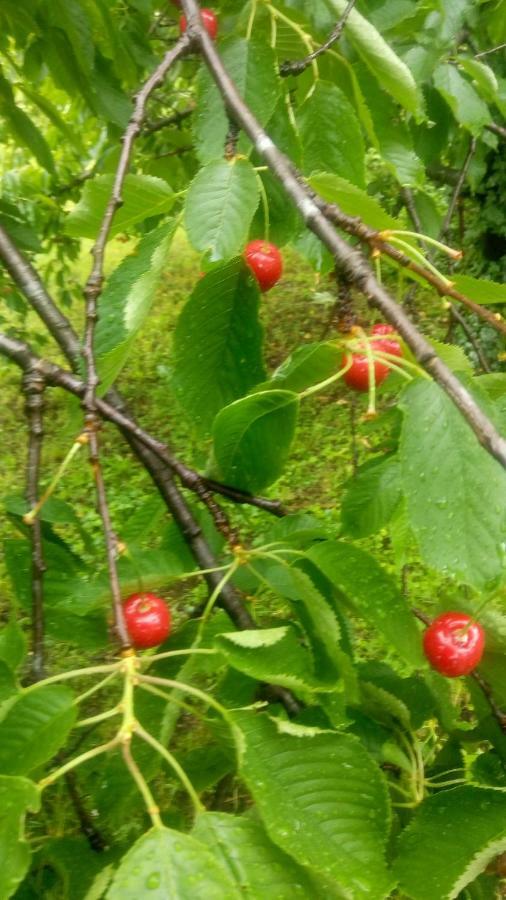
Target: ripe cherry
point(266, 263)
point(357, 376)
point(453, 644)
point(147, 619)
point(209, 21)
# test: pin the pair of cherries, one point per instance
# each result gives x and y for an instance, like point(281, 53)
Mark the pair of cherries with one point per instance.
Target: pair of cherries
point(357, 376)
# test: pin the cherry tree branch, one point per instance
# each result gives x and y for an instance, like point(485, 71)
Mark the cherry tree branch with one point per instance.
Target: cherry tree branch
point(33, 387)
point(296, 67)
point(93, 287)
point(353, 263)
point(92, 291)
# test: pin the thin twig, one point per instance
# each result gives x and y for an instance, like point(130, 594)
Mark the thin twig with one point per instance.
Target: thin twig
point(473, 340)
point(296, 67)
point(486, 690)
point(457, 190)
point(499, 130)
point(94, 837)
point(175, 119)
point(409, 202)
point(488, 52)
point(33, 387)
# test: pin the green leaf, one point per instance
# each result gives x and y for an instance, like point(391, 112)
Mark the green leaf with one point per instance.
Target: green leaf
point(453, 356)
point(252, 439)
point(13, 645)
point(166, 864)
point(71, 16)
point(34, 727)
point(451, 840)
point(23, 128)
point(220, 206)
point(306, 366)
point(340, 149)
point(8, 684)
point(258, 867)
point(481, 290)
point(391, 72)
point(321, 799)
point(394, 138)
point(371, 497)
point(218, 343)
point(126, 302)
point(144, 196)
point(318, 620)
point(251, 65)
point(51, 112)
point(372, 593)
point(466, 105)
point(17, 796)
point(483, 76)
point(353, 201)
point(455, 491)
point(273, 655)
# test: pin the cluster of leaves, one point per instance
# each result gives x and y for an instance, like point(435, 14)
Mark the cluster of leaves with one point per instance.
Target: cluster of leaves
point(354, 796)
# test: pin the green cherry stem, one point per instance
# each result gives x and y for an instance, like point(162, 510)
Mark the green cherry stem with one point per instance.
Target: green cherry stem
point(138, 777)
point(328, 381)
point(173, 763)
point(30, 516)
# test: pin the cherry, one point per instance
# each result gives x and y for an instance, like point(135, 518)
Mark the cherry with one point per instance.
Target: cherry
point(453, 644)
point(209, 21)
point(357, 376)
point(147, 619)
point(266, 263)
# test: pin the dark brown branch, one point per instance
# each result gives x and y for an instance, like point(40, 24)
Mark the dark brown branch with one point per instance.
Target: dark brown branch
point(92, 834)
point(24, 275)
point(298, 66)
point(458, 189)
point(353, 263)
point(274, 507)
point(33, 387)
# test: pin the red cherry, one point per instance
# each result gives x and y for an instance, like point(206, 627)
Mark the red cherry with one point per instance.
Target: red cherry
point(266, 263)
point(453, 644)
point(147, 619)
point(209, 21)
point(357, 376)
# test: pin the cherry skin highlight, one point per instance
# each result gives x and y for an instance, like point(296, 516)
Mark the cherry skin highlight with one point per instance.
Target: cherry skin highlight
point(453, 644)
point(266, 263)
point(148, 620)
point(209, 21)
